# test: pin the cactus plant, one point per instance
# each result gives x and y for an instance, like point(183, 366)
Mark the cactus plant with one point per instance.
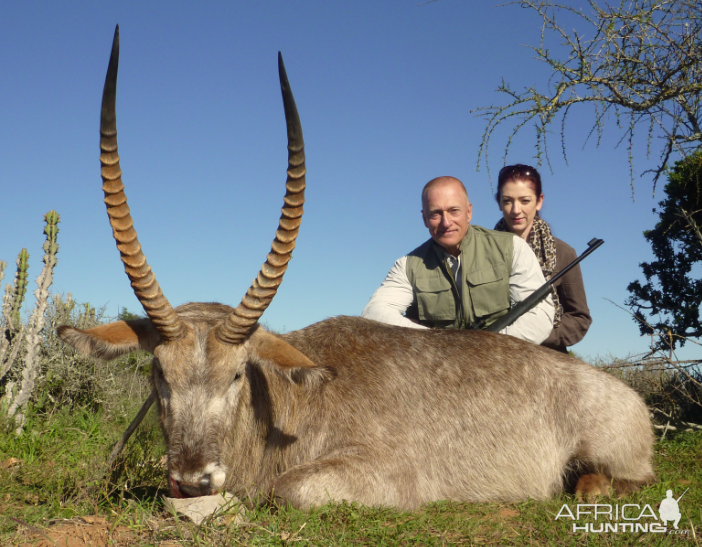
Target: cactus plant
point(32, 364)
point(4, 336)
point(12, 329)
point(20, 287)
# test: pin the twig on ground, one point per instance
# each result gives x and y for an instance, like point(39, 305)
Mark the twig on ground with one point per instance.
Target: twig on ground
point(129, 431)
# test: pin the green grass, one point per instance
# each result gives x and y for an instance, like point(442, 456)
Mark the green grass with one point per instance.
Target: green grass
point(62, 454)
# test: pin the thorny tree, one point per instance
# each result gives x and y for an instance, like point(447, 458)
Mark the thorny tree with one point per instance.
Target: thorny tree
point(641, 61)
point(666, 306)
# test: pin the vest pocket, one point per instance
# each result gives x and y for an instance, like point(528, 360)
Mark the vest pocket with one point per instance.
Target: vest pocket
point(435, 299)
point(489, 289)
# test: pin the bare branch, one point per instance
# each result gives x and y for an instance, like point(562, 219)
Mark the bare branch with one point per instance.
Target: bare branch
point(644, 56)
point(692, 224)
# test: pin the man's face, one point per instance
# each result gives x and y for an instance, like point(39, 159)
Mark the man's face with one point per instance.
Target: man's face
point(447, 213)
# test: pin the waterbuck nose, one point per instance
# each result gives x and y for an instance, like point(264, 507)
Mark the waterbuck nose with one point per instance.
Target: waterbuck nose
point(202, 488)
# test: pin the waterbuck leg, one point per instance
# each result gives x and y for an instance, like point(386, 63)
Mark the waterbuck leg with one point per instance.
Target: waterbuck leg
point(132, 427)
point(357, 476)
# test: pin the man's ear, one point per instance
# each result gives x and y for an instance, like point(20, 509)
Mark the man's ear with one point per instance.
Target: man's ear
point(112, 340)
point(269, 347)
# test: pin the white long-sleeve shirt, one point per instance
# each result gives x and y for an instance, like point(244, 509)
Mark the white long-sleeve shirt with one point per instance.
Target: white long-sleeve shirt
point(389, 303)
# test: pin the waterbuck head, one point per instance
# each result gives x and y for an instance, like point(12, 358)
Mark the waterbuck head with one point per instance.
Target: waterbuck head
point(202, 352)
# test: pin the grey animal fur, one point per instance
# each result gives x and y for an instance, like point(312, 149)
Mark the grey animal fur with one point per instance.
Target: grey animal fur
point(387, 415)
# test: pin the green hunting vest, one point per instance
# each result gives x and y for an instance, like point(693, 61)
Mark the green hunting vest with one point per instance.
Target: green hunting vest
point(486, 264)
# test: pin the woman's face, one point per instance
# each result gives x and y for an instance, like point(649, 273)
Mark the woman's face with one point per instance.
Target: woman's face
point(519, 204)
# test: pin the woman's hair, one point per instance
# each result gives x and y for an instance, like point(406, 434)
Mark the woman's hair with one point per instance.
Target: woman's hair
point(518, 172)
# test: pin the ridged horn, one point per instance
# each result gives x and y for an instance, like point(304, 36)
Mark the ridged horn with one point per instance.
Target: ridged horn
point(143, 281)
point(265, 285)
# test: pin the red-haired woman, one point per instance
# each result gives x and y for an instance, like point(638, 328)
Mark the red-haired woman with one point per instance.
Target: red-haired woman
point(520, 199)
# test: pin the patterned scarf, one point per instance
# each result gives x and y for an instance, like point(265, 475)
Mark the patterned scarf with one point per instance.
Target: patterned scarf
point(541, 242)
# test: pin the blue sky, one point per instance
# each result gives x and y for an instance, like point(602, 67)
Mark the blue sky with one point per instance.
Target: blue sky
point(384, 91)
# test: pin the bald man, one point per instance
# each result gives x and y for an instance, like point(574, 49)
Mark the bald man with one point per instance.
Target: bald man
point(462, 274)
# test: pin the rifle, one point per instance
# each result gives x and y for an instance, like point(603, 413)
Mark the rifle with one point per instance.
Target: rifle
point(537, 296)
point(681, 495)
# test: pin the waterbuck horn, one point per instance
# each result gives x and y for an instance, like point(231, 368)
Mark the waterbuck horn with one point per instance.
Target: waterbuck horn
point(265, 285)
point(143, 281)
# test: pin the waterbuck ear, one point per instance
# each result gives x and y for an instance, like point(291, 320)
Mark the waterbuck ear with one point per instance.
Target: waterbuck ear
point(269, 347)
point(112, 340)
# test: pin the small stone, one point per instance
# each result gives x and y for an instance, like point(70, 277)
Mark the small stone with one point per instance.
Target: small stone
point(203, 507)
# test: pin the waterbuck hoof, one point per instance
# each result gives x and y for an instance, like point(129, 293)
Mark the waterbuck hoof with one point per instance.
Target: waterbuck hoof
point(591, 486)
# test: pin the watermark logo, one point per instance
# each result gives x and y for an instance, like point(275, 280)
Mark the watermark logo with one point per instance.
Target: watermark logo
point(669, 510)
point(597, 518)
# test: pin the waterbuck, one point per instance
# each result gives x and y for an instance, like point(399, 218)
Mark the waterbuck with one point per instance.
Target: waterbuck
point(351, 409)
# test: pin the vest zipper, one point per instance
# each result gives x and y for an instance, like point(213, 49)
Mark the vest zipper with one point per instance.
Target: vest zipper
point(457, 295)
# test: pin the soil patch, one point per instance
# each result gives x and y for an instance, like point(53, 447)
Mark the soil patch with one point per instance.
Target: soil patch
point(79, 532)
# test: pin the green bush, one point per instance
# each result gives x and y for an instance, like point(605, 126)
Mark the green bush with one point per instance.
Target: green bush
point(69, 379)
